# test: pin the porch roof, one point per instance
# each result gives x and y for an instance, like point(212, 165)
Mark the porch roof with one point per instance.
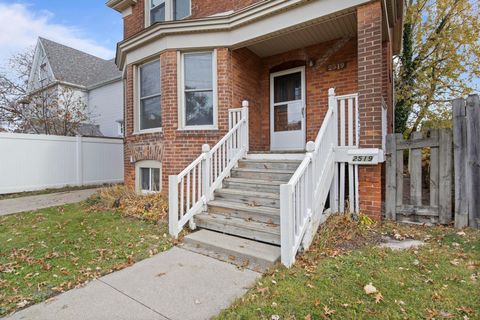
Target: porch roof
point(303, 22)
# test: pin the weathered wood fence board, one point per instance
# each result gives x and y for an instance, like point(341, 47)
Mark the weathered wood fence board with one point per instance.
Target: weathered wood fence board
point(437, 208)
point(464, 158)
point(467, 161)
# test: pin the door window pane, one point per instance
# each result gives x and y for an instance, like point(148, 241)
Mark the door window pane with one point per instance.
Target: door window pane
point(181, 9)
point(288, 87)
point(287, 117)
point(145, 178)
point(199, 108)
point(157, 11)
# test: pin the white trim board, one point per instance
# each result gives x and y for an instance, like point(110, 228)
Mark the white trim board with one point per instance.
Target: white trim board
point(236, 30)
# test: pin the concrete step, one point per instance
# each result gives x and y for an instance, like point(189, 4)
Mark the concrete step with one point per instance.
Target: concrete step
point(253, 185)
point(269, 164)
point(263, 174)
point(269, 233)
point(244, 253)
point(246, 212)
point(248, 197)
point(275, 155)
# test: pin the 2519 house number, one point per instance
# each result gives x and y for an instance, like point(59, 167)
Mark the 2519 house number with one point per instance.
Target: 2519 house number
point(362, 159)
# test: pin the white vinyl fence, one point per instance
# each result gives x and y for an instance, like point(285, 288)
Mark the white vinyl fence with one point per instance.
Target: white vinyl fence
point(34, 162)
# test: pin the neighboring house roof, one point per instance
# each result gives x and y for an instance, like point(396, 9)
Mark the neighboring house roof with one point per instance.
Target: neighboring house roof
point(77, 67)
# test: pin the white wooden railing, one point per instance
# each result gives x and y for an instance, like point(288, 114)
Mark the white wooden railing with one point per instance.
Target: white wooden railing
point(349, 121)
point(304, 196)
point(190, 190)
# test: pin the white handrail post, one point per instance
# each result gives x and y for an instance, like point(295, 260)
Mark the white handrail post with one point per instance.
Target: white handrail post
point(206, 165)
point(286, 225)
point(312, 177)
point(245, 105)
point(332, 104)
point(173, 206)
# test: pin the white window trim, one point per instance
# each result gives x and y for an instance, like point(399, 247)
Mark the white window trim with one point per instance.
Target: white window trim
point(169, 14)
point(136, 116)
point(181, 92)
point(151, 164)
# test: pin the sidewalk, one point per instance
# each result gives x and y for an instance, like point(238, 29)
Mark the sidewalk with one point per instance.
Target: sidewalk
point(176, 284)
point(30, 203)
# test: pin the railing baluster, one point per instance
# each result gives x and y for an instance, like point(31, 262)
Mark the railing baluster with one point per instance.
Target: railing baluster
point(182, 202)
point(194, 185)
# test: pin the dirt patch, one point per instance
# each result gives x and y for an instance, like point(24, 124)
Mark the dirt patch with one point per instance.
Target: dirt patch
point(341, 234)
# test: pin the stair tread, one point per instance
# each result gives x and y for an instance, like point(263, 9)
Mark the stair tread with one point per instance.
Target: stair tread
point(241, 223)
point(244, 207)
point(271, 161)
point(264, 170)
point(241, 246)
point(255, 181)
point(248, 193)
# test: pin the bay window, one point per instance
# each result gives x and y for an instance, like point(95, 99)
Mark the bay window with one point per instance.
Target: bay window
point(149, 104)
point(198, 85)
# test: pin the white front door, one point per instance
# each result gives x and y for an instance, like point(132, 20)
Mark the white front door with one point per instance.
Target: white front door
point(287, 109)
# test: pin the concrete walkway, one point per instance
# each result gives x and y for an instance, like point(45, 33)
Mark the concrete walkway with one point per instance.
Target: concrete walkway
point(30, 203)
point(176, 284)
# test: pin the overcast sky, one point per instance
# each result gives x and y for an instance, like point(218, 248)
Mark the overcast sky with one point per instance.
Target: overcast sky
point(87, 25)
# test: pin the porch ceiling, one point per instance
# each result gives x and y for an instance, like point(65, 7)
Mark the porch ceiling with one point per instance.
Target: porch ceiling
point(333, 27)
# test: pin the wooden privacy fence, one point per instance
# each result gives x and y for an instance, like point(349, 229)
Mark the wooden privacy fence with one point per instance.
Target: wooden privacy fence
point(409, 197)
point(466, 129)
point(422, 191)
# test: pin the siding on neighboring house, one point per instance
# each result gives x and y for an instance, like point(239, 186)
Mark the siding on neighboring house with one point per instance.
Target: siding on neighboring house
point(106, 105)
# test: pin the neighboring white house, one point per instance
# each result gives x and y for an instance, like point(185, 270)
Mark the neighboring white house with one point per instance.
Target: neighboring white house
point(97, 81)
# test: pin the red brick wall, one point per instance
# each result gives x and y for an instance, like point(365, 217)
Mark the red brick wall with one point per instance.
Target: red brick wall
point(370, 76)
point(205, 8)
point(130, 138)
point(252, 80)
point(246, 76)
point(180, 148)
point(135, 22)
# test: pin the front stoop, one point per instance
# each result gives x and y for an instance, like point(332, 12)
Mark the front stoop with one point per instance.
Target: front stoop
point(242, 224)
point(244, 253)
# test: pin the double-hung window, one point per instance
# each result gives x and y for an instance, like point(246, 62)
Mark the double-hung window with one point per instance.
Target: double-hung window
point(181, 9)
point(157, 11)
point(198, 90)
point(149, 109)
point(167, 10)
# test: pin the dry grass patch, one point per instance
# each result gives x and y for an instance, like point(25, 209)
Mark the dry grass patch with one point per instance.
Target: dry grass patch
point(152, 207)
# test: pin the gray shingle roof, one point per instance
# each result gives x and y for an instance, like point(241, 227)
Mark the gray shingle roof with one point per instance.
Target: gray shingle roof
point(77, 67)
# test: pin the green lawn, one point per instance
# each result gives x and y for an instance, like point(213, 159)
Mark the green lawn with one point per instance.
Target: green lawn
point(437, 281)
point(46, 252)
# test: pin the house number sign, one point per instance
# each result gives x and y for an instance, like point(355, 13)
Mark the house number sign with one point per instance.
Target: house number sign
point(362, 156)
point(336, 66)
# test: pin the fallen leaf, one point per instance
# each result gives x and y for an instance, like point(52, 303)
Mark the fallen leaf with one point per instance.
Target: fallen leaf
point(370, 289)
point(327, 311)
point(378, 297)
point(308, 317)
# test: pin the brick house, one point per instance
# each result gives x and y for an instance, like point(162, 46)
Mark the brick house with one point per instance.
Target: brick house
point(187, 63)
